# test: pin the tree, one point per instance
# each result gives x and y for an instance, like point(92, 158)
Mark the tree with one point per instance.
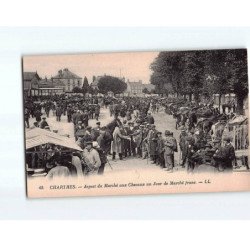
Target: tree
point(85, 86)
point(77, 90)
point(202, 73)
point(110, 83)
point(168, 72)
point(162, 86)
point(145, 91)
point(238, 80)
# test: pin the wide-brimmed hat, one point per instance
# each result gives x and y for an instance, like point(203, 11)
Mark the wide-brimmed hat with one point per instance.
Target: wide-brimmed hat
point(98, 123)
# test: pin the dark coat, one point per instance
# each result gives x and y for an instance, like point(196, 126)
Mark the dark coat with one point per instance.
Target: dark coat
point(95, 133)
point(170, 145)
point(150, 119)
point(152, 142)
point(59, 111)
point(228, 155)
point(43, 124)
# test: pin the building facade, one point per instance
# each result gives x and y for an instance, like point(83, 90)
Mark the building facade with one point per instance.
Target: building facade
point(50, 87)
point(69, 79)
point(30, 83)
point(136, 88)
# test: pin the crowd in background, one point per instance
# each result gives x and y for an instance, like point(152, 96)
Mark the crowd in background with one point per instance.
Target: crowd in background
point(131, 133)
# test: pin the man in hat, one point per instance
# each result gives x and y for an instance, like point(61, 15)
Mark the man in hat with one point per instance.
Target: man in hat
point(85, 118)
point(96, 131)
point(59, 112)
point(97, 112)
point(218, 155)
point(152, 142)
point(102, 155)
point(91, 159)
point(127, 143)
point(170, 146)
point(79, 130)
point(150, 119)
point(44, 123)
point(117, 143)
point(47, 108)
point(87, 136)
point(182, 144)
point(136, 138)
point(104, 140)
point(76, 117)
point(27, 117)
point(38, 115)
point(228, 155)
point(144, 140)
point(160, 150)
point(69, 112)
point(139, 140)
point(189, 152)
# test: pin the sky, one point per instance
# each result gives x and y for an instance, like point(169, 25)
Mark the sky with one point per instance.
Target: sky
point(133, 66)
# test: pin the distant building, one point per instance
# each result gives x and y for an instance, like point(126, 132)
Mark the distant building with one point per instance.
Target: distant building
point(50, 87)
point(136, 88)
point(69, 79)
point(30, 83)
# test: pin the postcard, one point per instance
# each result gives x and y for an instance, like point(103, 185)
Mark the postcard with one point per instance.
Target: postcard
point(133, 123)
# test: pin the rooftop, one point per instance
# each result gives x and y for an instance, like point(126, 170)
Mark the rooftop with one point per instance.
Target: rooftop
point(28, 76)
point(50, 83)
point(66, 74)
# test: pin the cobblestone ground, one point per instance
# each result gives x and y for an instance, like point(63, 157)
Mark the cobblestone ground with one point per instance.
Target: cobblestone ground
point(134, 164)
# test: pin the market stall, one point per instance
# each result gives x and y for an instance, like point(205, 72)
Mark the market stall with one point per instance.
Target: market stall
point(41, 145)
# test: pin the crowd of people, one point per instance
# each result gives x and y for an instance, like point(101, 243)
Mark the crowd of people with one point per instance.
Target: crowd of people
point(131, 133)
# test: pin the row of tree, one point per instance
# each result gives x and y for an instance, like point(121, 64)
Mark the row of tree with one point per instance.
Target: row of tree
point(104, 84)
point(196, 73)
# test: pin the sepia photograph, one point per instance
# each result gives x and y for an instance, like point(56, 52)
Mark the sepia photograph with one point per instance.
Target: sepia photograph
point(136, 122)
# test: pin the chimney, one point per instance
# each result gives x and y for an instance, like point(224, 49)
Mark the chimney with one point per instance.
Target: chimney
point(60, 72)
point(66, 69)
